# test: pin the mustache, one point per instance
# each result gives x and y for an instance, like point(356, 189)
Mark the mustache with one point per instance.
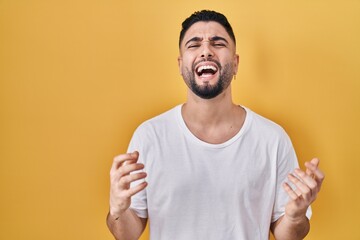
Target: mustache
point(206, 60)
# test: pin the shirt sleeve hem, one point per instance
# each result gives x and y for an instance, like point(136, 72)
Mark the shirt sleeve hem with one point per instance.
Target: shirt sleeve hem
point(142, 213)
point(277, 216)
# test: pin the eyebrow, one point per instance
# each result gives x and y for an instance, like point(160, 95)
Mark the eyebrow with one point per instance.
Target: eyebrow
point(217, 38)
point(212, 39)
point(194, 39)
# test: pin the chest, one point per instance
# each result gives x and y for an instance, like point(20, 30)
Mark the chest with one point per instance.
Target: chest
point(208, 174)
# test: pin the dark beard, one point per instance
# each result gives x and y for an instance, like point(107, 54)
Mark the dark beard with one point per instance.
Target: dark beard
point(208, 91)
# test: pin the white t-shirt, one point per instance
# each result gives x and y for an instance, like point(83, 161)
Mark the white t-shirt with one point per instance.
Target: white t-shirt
point(198, 190)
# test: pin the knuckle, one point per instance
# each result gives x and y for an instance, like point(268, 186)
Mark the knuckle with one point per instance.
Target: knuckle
point(121, 171)
point(133, 177)
point(126, 195)
point(118, 158)
point(307, 190)
point(295, 180)
point(112, 175)
point(123, 180)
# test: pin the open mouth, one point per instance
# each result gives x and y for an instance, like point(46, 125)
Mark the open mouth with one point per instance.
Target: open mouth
point(206, 70)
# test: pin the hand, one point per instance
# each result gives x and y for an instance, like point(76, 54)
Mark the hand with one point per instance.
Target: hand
point(307, 186)
point(120, 179)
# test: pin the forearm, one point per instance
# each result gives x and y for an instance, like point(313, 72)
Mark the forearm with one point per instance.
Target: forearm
point(128, 226)
point(290, 229)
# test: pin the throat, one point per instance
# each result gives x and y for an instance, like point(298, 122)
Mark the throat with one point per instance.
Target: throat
point(216, 132)
point(216, 136)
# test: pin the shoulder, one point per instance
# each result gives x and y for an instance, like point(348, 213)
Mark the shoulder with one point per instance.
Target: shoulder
point(161, 122)
point(264, 126)
point(273, 136)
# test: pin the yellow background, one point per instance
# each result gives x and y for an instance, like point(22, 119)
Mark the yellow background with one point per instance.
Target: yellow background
point(78, 76)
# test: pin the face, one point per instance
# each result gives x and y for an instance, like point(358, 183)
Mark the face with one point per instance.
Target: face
point(207, 59)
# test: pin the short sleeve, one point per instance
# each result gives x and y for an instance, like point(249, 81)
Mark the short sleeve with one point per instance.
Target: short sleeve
point(139, 200)
point(286, 163)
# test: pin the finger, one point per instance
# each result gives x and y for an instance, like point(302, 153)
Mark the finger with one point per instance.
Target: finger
point(309, 172)
point(292, 194)
point(127, 157)
point(134, 190)
point(119, 160)
point(127, 180)
point(311, 166)
point(307, 179)
point(315, 162)
point(134, 158)
point(297, 191)
point(127, 169)
point(317, 174)
point(315, 170)
point(300, 186)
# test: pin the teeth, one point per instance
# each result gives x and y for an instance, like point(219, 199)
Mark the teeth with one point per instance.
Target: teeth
point(206, 67)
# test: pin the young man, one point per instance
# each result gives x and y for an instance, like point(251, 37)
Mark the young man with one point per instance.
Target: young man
point(210, 169)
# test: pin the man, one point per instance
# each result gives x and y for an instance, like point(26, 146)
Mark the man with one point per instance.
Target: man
point(210, 169)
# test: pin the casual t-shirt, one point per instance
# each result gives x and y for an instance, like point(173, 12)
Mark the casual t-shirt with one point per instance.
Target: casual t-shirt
point(197, 190)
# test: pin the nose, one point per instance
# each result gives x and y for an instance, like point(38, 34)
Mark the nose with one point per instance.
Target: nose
point(206, 51)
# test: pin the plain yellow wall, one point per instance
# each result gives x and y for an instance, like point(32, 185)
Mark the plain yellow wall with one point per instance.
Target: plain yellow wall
point(77, 77)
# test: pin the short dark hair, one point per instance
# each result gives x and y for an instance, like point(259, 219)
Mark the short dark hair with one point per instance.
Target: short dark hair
point(206, 16)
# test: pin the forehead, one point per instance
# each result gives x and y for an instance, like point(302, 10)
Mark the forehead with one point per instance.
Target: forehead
point(206, 30)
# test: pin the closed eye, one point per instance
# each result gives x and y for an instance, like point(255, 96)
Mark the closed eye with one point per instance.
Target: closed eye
point(194, 46)
point(219, 44)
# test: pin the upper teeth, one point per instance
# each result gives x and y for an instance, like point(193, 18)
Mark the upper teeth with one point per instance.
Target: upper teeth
point(206, 67)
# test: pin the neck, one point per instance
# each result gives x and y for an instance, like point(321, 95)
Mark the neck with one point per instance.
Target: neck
point(208, 112)
point(213, 120)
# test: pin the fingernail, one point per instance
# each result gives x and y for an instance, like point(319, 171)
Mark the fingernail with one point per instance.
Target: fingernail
point(134, 154)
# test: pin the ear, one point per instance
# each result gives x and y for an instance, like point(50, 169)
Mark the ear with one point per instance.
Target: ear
point(236, 63)
point(180, 64)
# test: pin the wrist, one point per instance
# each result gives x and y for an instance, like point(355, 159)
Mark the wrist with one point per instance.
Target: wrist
point(295, 219)
point(115, 214)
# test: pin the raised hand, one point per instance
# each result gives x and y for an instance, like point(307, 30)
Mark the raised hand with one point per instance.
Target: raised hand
point(120, 180)
point(307, 186)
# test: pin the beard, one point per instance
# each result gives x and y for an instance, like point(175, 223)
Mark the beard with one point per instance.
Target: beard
point(208, 91)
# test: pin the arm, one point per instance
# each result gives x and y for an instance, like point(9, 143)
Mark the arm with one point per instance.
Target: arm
point(294, 224)
point(122, 222)
point(285, 228)
point(127, 226)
